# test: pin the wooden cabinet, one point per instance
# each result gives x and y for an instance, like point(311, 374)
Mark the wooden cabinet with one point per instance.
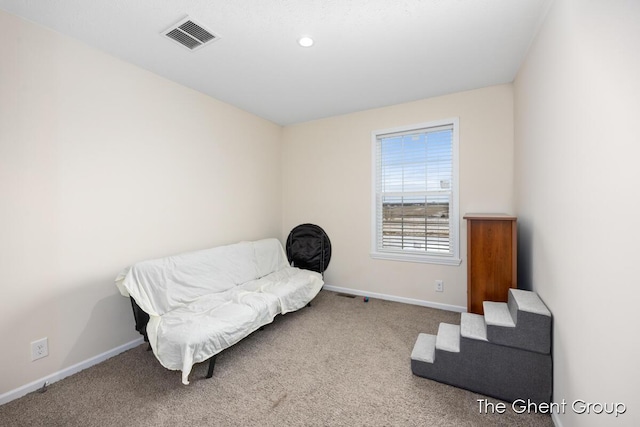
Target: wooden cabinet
point(491, 258)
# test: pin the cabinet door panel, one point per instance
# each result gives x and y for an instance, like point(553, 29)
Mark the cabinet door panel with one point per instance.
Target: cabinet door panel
point(490, 261)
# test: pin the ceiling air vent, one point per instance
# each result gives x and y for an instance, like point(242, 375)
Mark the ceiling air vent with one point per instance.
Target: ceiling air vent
point(190, 34)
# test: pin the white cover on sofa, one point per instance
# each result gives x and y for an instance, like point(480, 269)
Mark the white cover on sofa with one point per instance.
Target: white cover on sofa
point(200, 303)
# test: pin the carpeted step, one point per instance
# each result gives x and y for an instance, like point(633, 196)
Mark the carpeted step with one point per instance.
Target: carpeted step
point(523, 322)
point(472, 326)
point(520, 300)
point(498, 314)
point(424, 349)
point(448, 338)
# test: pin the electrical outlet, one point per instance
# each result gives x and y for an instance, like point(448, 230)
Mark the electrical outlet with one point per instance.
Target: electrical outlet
point(39, 349)
point(439, 286)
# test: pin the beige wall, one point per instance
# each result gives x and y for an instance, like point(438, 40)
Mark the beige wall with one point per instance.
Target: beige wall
point(327, 181)
point(103, 164)
point(577, 104)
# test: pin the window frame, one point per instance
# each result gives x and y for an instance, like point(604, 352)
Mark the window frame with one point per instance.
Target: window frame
point(453, 258)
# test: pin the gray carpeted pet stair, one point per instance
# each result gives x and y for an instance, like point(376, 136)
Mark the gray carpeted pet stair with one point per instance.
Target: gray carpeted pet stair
point(504, 354)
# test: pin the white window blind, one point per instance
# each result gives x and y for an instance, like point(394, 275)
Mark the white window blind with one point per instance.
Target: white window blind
point(414, 212)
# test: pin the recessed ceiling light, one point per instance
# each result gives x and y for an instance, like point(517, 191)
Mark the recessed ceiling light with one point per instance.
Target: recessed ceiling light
point(305, 41)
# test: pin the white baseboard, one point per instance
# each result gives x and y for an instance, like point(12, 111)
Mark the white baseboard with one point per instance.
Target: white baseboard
point(404, 300)
point(57, 376)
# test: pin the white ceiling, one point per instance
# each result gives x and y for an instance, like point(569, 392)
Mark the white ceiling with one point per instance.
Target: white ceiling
point(367, 53)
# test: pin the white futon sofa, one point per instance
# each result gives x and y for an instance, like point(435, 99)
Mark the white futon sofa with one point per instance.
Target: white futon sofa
point(200, 303)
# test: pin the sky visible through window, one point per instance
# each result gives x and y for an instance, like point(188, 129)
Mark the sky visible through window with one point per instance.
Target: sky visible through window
point(418, 162)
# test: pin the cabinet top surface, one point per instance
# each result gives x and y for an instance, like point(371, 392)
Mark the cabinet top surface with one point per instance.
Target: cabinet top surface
point(489, 216)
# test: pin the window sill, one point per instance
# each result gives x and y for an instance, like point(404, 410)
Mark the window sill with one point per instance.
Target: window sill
point(426, 259)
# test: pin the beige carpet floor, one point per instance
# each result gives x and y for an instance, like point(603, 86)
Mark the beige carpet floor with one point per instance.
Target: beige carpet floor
point(341, 362)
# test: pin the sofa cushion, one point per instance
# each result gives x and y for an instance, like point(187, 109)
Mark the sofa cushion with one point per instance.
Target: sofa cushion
point(195, 332)
point(270, 256)
point(293, 287)
point(164, 284)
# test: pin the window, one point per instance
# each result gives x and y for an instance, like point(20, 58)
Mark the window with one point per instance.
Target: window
point(415, 193)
